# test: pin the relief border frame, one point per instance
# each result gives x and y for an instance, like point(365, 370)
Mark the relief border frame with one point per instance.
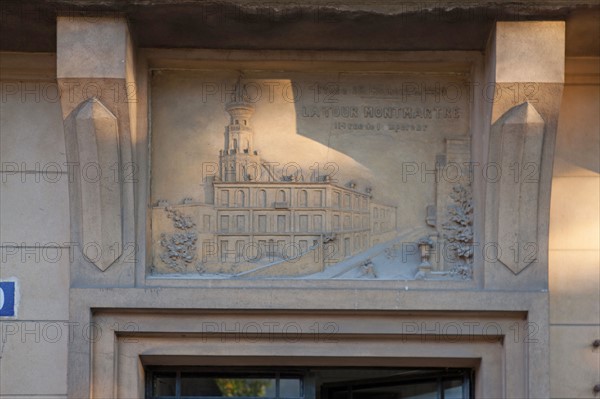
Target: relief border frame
point(149, 59)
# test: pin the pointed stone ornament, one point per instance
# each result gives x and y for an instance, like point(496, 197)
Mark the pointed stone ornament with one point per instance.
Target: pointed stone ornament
point(516, 153)
point(99, 163)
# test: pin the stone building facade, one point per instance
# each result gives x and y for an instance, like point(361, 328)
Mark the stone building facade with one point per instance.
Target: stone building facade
point(465, 227)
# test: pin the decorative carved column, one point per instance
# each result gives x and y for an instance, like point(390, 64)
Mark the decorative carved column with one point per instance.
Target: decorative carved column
point(516, 147)
point(95, 76)
point(522, 94)
point(523, 89)
point(95, 73)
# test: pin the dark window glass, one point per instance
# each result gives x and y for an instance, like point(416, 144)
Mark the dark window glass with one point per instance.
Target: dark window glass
point(339, 395)
point(427, 390)
point(331, 383)
point(193, 384)
point(164, 384)
point(290, 387)
point(453, 389)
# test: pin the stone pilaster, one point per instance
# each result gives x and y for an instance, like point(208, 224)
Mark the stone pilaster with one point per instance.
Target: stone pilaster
point(523, 88)
point(94, 71)
point(95, 74)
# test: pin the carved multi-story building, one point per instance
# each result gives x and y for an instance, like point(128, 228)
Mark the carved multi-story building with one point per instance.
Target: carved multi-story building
point(259, 213)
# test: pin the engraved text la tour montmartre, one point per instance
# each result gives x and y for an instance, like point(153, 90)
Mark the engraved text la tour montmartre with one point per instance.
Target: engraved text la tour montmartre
point(377, 112)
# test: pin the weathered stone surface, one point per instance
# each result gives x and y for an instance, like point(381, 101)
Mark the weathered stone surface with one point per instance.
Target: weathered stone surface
point(527, 44)
point(86, 41)
point(34, 208)
point(574, 236)
point(574, 362)
point(576, 222)
point(31, 130)
point(578, 141)
point(45, 371)
point(574, 287)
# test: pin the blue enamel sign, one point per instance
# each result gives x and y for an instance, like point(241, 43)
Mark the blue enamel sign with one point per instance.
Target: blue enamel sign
point(7, 298)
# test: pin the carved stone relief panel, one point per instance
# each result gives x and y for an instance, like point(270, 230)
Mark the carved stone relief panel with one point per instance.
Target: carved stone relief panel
point(319, 175)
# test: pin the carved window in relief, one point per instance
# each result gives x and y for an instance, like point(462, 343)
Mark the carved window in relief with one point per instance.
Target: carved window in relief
point(239, 248)
point(302, 198)
point(303, 246)
point(224, 250)
point(225, 198)
point(347, 223)
point(303, 223)
point(224, 223)
point(240, 199)
point(262, 223)
point(336, 222)
point(261, 196)
point(347, 203)
point(281, 223)
point(318, 199)
point(318, 223)
point(347, 248)
point(281, 197)
point(241, 223)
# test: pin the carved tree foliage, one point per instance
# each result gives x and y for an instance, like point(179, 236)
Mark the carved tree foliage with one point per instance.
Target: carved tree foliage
point(459, 230)
point(179, 248)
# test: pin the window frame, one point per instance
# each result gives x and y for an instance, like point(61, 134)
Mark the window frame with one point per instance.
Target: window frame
point(326, 390)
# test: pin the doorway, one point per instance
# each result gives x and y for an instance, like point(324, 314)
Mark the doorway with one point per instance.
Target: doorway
point(308, 383)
